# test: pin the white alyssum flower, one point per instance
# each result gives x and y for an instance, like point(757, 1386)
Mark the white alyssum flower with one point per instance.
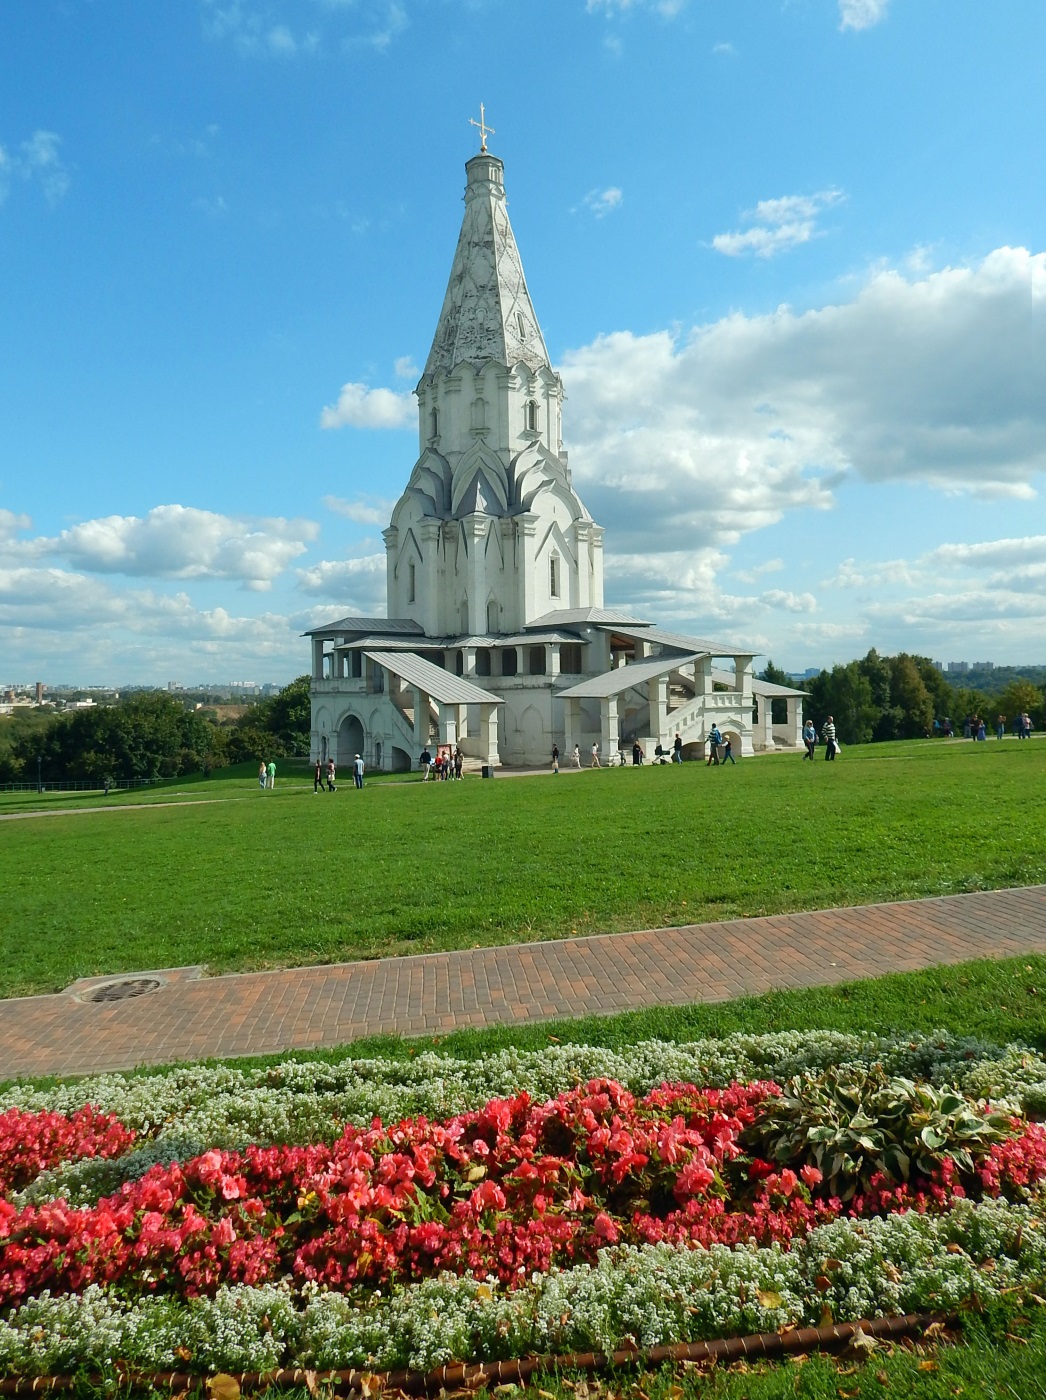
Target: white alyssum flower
point(645, 1295)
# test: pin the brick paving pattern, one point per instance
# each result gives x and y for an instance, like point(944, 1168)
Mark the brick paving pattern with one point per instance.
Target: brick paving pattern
point(306, 1008)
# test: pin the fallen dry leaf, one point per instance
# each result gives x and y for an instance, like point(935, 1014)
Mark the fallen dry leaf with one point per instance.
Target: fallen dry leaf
point(882, 1377)
point(927, 1365)
point(223, 1387)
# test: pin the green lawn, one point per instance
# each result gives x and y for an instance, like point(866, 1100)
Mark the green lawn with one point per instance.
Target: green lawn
point(268, 879)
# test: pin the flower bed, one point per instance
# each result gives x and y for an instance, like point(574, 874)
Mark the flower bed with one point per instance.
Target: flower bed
point(649, 1211)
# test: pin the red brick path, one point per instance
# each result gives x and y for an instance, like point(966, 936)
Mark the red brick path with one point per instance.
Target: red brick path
point(302, 1008)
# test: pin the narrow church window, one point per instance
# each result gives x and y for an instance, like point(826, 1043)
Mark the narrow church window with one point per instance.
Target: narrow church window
point(459, 663)
point(356, 664)
point(411, 583)
point(553, 576)
point(522, 325)
point(508, 661)
point(492, 616)
point(570, 658)
point(531, 416)
point(483, 661)
point(434, 423)
point(479, 414)
point(537, 661)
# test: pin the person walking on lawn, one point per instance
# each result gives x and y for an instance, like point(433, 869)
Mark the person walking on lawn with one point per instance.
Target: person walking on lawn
point(828, 735)
point(331, 774)
point(271, 771)
point(317, 777)
point(714, 741)
point(810, 740)
point(357, 771)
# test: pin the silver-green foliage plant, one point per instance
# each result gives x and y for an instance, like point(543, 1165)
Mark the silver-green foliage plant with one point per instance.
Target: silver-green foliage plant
point(853, 1122)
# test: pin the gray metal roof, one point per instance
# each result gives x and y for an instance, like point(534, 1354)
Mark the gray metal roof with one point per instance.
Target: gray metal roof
point(758, 687)
point(682, 642)
point(624, 678)
point(572, 616)
point(525, 639)
point(381, 626)
point(443, 686)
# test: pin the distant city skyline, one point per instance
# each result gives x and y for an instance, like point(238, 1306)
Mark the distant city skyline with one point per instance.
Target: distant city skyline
point(790, 261)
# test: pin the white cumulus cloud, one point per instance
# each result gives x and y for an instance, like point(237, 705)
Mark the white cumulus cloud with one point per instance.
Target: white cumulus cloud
point(603, 202)
point(37, 160)
point(358, 584)
point(775, 225)
point(368, 510)
point(861, 14)
point(359, 406)
point(176, 542)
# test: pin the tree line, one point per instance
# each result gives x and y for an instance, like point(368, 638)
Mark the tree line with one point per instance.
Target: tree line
point(901, 697)
point(150, 734)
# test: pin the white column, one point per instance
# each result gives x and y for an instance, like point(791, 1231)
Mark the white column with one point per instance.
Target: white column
point(448, 724)
point(657, 699)
point(794, 705)
point(488, 734)
point(317, 658)
point(570, 727)
point(609, 727)
point(421, 719)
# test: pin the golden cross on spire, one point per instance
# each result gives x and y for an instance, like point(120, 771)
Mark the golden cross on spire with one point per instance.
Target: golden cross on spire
point(484, 129)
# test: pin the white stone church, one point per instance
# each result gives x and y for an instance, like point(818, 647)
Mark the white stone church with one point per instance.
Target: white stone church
point(496, 637)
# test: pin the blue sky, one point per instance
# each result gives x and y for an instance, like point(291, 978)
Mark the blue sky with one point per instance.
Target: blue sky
point(789, 257)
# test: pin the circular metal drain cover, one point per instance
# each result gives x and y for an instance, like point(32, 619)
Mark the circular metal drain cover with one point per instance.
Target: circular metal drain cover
point(128, 987)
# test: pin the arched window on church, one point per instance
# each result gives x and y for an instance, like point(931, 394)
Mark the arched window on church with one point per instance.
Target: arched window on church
point(492, 616)
point(530, 416)
point(482, 661)
point(522, 325)
point(411, 582)
point(459, 663)
point(537, 661)
point(464, 616)
point(434, 423)
point(479, 415)
point(508, 661)
point(553, 575)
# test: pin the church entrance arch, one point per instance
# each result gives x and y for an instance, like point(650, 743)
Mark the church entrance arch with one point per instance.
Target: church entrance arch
point(350, 740)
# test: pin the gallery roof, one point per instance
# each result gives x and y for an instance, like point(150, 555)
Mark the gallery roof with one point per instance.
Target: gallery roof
point(625, 677)
point(442, 686)
point(379, 626)
point(571, 617)
point(680, 641)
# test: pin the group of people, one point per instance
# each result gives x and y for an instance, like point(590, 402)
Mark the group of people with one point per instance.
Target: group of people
point(720, 750)
point(828, 735)
point(328, 771)
point(266, 774)
point(447, 765)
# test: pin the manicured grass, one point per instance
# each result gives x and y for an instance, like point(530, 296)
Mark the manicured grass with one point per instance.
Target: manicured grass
point(274, 879)
point(1002, 1356)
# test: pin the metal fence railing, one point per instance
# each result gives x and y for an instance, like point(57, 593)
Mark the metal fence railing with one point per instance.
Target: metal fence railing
point(94, 786)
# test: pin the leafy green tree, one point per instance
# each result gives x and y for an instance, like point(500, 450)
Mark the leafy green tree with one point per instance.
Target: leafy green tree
point(908, 693)
point(1021, 697)
point(846, 694)
point(778, 706)
point(279, 727)
point(149, 735)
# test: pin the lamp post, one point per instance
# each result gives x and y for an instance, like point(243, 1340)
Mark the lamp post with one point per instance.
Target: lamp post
point(39, 778)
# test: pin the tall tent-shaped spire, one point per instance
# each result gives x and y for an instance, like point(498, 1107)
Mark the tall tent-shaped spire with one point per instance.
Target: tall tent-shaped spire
point(487, 313)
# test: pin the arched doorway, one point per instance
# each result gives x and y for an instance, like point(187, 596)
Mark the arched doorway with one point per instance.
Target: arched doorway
point(350, 740)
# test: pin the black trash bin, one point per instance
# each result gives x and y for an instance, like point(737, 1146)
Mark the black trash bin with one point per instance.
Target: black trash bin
point(487, 771)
